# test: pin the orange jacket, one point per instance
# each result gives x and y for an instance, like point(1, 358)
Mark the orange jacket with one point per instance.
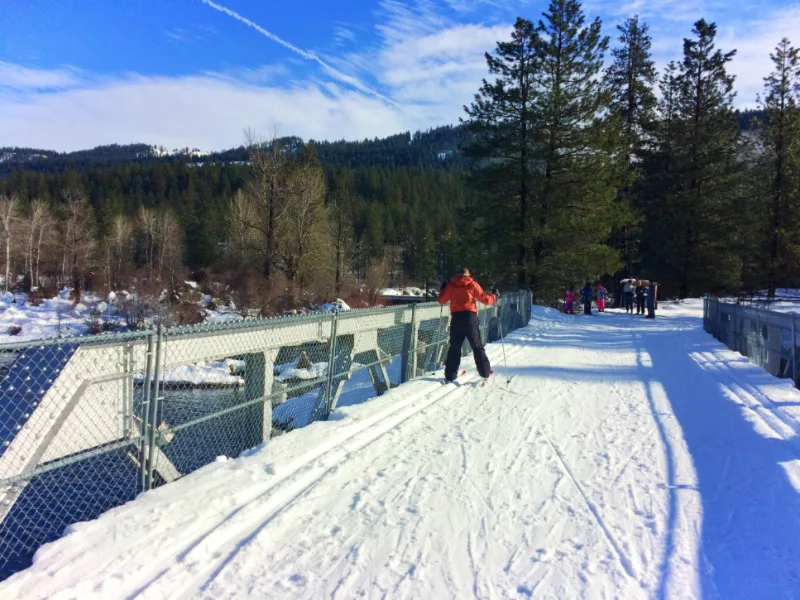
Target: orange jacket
point(462, 292)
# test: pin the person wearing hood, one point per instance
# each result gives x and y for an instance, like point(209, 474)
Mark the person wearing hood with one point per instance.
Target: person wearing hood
point(586, 295)
point(462, 292)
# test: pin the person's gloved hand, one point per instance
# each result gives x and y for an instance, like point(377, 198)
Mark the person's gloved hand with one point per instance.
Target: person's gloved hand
point(444, 284)
point(495, 292)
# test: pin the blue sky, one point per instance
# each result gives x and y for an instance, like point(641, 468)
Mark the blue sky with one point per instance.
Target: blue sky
point(78, 73)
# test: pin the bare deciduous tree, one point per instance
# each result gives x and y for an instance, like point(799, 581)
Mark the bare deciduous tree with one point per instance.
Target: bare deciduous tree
point(269, 189)
point(377, 279)
point(9, 214)
point(343, 239)
point(118, 249)
point(37, 228)
point(243, 238)
point(168, 243)
point(77, 241)
point(146, 224)
point(304, 242)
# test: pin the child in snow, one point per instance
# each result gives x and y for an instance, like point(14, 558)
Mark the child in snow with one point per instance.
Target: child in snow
point(601, 298)
point(586, 294)
point(569, 300)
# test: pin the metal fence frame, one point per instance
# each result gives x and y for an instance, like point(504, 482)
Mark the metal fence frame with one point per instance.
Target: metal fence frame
point(90, 422)
point(767, 338)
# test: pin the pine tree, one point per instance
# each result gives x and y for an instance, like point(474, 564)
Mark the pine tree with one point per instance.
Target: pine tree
point(708, 169)
point(658, 166)
point(500, 119)
point(780, 167)
point(631, 78)
point(577, 152)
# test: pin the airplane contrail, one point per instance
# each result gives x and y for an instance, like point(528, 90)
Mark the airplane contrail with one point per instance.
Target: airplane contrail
point(304, 53)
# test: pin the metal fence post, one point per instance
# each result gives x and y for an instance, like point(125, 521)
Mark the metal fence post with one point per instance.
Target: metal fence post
point(154, 397)
point(331, 364)
point(794, 357)
point(719, 319)
point(414, 342)
point(144, 445)
point(759, 338)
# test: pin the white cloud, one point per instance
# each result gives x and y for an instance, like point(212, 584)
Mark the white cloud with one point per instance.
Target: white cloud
point(427, 65)
point(443, 68)
point(198, 111)
point(21, 78)
point(754, 41)
point(343, 35)
point(336, 73)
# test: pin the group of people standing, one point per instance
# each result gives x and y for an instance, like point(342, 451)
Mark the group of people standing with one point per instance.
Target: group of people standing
point(586, 295)
point(643, 294)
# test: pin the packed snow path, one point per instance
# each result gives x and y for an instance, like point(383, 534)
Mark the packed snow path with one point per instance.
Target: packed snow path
point(626, 458)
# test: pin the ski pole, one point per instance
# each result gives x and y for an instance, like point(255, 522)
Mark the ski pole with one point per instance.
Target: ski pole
point(502, 342)
point(438, 342)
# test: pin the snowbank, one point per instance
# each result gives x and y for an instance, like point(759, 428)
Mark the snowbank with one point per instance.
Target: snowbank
point(56, 317)
point(301, 368)
point(221, 373)
point(337, 305)
point(406, 291)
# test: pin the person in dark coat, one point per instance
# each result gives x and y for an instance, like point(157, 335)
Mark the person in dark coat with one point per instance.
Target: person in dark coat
point(651, 301)
point(586, 295)
point(641, 294)
point(462, 292)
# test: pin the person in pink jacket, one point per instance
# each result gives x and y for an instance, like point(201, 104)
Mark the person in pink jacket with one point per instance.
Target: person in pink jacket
point(601, 297)
point(569, 299)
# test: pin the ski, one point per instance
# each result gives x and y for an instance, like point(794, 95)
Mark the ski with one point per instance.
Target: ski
point(445, 382)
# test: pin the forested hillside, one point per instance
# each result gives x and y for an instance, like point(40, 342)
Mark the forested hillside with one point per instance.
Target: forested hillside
point(606, 170)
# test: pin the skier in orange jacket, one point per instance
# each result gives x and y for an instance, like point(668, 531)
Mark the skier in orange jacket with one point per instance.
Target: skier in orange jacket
point(462, 292)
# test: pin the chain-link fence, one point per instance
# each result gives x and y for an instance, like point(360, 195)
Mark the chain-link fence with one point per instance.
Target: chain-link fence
point(767, 338)
point(86, 424)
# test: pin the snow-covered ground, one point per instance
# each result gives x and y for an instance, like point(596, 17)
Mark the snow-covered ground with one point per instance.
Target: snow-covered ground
point(406, 291)
point(625, 458)
point(56, 317)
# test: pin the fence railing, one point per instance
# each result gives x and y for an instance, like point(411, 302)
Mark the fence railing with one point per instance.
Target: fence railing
point(767, 338)
point(86, 424)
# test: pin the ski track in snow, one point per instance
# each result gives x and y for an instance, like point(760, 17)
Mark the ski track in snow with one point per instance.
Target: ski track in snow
point(625, 459)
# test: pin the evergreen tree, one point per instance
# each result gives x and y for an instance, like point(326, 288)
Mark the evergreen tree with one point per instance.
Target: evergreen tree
point(780, 167)
point(658, 165)
point(500, 119)
point(706, 182)
point(578, 163)
point(341, 203)
point(631, 78)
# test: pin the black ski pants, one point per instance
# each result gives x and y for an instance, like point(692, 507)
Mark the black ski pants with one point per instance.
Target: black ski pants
point(464, 325)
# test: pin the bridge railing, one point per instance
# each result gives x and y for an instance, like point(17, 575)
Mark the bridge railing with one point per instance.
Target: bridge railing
point(88, 423)
point(768, 338)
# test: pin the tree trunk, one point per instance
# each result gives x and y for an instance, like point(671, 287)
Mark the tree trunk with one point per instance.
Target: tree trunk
point(39, 254)
point(8, 258)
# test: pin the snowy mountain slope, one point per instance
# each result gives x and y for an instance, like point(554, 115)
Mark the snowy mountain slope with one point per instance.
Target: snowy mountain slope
point(626, 459)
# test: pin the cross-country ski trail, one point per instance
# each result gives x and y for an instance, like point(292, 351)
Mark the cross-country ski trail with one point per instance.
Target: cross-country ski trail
point(625, 458)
